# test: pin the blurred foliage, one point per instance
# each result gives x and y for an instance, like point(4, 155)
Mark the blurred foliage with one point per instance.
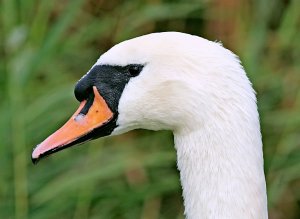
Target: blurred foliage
point(46, 46)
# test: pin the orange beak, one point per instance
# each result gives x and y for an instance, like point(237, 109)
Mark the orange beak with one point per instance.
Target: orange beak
point(80, 128)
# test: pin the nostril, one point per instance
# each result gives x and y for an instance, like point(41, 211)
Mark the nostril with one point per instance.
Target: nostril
point(88, 104)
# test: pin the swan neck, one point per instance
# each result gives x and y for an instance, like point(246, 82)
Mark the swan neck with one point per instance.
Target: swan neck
point(222, 172)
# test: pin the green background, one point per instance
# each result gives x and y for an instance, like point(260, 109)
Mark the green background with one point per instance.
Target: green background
point(46, 46)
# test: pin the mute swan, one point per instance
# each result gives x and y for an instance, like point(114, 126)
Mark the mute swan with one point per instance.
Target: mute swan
point(197, 89)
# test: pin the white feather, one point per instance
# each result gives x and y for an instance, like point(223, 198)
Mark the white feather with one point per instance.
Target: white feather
point(199, 90)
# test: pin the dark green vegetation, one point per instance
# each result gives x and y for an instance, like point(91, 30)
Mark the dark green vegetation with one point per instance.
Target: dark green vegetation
point(46, 46)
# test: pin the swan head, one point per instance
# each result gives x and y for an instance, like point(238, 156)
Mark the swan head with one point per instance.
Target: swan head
point(167, 80)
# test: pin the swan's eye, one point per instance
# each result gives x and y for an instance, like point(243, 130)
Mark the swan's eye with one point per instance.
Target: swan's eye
point(134, 70)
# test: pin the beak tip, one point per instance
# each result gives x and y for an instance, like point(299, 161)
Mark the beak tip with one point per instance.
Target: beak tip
point(35, 157)
point(34, 160)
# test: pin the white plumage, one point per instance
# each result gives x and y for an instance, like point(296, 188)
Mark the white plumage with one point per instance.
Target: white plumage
point(199, 90)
